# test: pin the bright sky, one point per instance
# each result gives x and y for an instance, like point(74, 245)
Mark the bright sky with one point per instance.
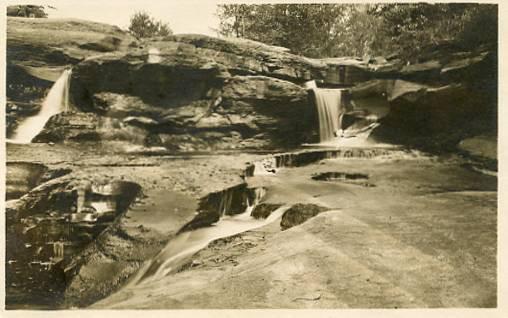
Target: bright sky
point(183, 16)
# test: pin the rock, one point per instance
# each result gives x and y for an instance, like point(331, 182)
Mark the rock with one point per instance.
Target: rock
point(39, 49)
point(140, 121)
point(263, 210)
point(106, 44)
point(421, 71)
point(357, 121)
point(482, 146)
point(405, 89)
point(435, 116)
point(21, 177)
point(299, 213)
point(247, 104)
point(377, 87)
point(73, 126)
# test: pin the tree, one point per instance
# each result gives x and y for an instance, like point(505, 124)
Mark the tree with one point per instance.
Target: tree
point(27, 11)
point(328, 30)
point(142, 25)
point(305, 29)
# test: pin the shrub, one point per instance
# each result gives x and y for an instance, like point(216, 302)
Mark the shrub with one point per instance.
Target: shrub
point(142, 25)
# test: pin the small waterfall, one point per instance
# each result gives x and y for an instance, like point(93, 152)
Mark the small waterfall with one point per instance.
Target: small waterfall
point(58, 251)
point(56, 101)
point(186, 244)
point(154, 56)
point(330, 109)
point(265, 167)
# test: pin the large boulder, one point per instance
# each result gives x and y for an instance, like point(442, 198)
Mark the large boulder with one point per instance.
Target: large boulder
point(218, 93)
point(447, 95)
point(299, 213)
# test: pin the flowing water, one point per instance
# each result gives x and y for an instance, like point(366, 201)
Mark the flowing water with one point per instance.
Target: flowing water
point(185, 244)
point(56, 101)
point(330, 112)
point(330, 109)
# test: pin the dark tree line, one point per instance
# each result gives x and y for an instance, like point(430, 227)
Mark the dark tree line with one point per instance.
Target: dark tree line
point(27, 11)
point(327, 30)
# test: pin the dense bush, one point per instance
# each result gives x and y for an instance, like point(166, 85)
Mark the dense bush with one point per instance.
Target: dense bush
point(143, 25)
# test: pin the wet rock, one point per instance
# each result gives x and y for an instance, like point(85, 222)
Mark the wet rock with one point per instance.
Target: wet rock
point(202, 219)
point(54, 232)
point(299, 213)
point(221, 87)
point(21, 177)
point(263, 210)
point(70, 126)
point(436, 117)
point(356, 121)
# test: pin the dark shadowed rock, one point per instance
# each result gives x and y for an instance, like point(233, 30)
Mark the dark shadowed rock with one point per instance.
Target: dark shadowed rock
point(299, 213)
point(71, 126)
point(263, 210)
point(435, 116)
point(106, 44)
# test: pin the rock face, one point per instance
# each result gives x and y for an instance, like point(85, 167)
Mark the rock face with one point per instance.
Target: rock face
point(202, 92)
point(39, 49)
point(450, 95)
point(70, 126)
point(194, 92)
point(51, 225)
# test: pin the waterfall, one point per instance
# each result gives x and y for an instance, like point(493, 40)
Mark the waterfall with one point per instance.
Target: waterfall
point(330, 109)
point(186, 244)
point(58, 251)
point(55, 102)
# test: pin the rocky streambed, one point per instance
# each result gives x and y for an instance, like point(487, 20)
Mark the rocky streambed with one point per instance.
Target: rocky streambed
point(423, 236)
point(176, 176)
point(311, 241)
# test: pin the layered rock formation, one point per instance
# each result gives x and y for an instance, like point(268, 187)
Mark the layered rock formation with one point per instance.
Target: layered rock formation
point(194, 92)
point(39, 49)
point(201, 92)
point(447, 97)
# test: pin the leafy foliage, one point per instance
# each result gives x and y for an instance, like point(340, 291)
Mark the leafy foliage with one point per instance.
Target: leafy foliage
point(27, 11)
point(142, 25)
point(327, 30)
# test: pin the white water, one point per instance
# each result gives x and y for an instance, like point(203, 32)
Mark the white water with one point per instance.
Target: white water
point(188, 243)
point(329, 107)
point(330, 111)
point(56, 101)
point(154, 56)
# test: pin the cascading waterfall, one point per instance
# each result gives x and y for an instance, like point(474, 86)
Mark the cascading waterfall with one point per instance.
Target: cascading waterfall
point(188, 243)
point(330, 110)
point(55, 102)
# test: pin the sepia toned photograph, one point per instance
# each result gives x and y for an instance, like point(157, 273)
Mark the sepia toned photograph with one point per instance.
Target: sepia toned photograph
point(257, 155)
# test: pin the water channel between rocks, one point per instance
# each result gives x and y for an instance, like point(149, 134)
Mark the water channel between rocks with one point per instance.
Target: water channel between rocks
point(48, 240)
